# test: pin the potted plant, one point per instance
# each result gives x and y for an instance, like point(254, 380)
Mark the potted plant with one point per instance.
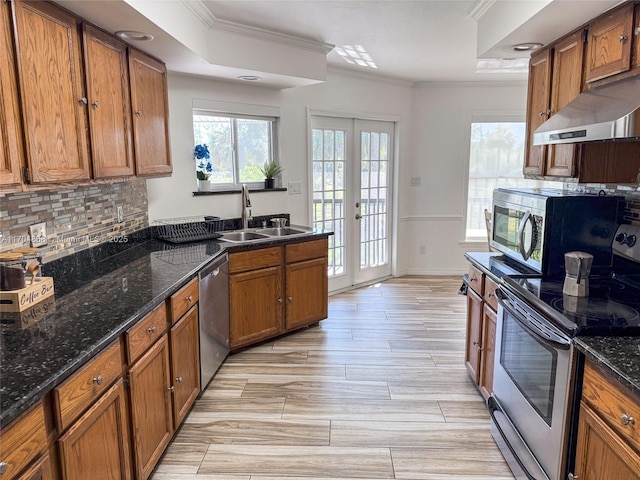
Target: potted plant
point(204, 168)
point(270, 170)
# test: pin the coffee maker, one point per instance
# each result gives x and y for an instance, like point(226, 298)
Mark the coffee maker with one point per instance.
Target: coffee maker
point(577, 267)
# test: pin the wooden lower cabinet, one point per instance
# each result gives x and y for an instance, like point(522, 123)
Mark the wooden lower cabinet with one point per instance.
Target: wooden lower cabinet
point(185, 364)
point(601, 453)
point(23, 441)
point(307, 292)
point(474, 335)
point(40, 470)
point(151, 413)
point(488, 350)
point(256, 305)
point(97, 444)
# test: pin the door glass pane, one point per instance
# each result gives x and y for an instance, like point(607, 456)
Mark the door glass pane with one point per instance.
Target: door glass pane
point(329, 188)
point(373, 199)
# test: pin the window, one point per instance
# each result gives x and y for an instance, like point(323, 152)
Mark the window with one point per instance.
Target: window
point(496, 157)
point(239, 146)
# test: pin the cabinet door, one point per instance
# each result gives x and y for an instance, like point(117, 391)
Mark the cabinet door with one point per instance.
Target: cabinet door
point(40, 470)
point(307, 292)
point(150, 407)
point(488, 351)
point(109, 109)
point(609, 44)
point(185, 364)
point(10, 143)
point(149, 103)
point(52, 93)
point(256, 305)
point(474, 333)
point(600, 453)
point(635, 42)
point(538, 97)
point(566, 85)
point(97, 444)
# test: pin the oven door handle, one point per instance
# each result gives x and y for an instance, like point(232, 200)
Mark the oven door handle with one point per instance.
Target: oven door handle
point(548, 337)
point(526, 253)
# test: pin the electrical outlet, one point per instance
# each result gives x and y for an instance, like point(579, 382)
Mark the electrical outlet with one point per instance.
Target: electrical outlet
point(38, 234)
point(120, 214)
point(423, 250)
point(415, 181)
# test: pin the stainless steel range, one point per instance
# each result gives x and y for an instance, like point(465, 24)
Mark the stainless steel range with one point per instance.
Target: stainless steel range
point(535, 364)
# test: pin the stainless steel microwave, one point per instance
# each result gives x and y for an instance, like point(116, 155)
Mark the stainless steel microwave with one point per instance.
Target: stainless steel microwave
point(538, 226)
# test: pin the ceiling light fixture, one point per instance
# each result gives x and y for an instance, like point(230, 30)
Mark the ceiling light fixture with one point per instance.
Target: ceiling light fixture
point(249, 78)
point(526, 47)
point(135, 36)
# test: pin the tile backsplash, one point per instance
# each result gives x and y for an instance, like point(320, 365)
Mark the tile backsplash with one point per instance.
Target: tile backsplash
point(76, 218)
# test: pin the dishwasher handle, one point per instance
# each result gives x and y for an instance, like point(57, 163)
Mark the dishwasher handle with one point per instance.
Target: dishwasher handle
point(214, 267)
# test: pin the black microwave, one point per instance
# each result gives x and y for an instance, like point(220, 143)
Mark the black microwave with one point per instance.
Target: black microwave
point(538, 226)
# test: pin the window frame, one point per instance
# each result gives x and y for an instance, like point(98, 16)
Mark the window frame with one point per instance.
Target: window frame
point(274, 144)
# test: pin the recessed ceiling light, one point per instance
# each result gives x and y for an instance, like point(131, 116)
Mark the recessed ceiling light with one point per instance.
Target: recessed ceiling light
point(133, 35)
point(249, 78)
point(526, 47)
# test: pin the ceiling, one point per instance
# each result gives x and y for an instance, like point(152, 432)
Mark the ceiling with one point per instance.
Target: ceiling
point(288, 43)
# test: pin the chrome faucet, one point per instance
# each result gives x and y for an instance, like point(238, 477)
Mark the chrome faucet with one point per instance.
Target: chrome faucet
point(246, 206)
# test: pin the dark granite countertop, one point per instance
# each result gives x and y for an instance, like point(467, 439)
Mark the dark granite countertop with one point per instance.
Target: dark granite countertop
point(95, 301)
point(620, 356)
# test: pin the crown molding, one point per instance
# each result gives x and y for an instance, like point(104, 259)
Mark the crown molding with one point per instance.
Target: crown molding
point(202, 13)
point(480, 8)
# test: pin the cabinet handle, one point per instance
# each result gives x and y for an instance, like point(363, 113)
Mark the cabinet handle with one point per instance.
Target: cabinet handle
point(290, 299)
point(279, 300)
point(98, 380)
point(541, 114)
point(491, 294)
point(571, 476)
point(636, 32)
point(550, 112)
point(189, 299)
point(138, 113)
point(3, 467)
point(473, 279)
point(622, 38)
point(627, 420)
point(172, 388)
point(179, 379)
point(151, 329)
point(83, 101)
point(95, 104)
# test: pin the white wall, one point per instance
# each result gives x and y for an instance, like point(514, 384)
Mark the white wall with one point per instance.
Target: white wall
point(433, 213)
point(432, 142)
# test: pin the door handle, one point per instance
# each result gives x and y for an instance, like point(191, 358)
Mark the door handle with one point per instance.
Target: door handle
point(357, 204)
point(358, 216)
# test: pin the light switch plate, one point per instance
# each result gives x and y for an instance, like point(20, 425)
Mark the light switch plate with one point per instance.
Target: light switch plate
point(38, 234)
point(415, 181)
point(294, 188)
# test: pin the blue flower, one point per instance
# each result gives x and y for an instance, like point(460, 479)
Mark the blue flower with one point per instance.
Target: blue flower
point(202, 152)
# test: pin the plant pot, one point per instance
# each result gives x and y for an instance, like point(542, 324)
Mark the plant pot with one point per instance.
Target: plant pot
point(269, 183)
point(204, 186)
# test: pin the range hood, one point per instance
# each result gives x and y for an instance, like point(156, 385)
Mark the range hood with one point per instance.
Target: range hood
point(610, 112)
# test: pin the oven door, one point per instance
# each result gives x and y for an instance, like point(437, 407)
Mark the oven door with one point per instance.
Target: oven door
point(532, 387)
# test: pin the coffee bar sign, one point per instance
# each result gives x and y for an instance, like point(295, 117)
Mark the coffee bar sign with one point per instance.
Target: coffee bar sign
point(27, 297)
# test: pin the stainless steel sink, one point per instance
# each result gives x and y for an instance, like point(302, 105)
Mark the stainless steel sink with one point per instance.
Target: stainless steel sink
point(280, 231)
point(242, 236)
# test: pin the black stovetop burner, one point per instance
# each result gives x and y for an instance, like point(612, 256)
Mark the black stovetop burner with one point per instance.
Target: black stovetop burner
point(612, 307)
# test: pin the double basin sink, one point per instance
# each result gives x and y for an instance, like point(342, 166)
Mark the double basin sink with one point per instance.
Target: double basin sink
point(254, 235)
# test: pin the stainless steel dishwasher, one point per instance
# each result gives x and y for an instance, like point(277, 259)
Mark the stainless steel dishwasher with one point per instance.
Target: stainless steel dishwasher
point(214, 317)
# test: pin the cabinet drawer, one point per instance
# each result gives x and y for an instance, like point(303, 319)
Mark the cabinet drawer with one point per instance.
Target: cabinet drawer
point(255, 259)
point(75, 394)
point(183, 300)
point(23, 440)
point(490, 293)
point(476, 280)
point(613, 403)
point(297, 252)
point(145, 333)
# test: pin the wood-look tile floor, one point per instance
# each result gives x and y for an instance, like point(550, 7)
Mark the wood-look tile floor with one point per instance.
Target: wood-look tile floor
point(376, 391)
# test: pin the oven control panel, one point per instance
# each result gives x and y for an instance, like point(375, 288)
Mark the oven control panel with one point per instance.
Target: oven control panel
point(626, 242)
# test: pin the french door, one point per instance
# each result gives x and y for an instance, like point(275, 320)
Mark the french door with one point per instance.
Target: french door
point(351, 164)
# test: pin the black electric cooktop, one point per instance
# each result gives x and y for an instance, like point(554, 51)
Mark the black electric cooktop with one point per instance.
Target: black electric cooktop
point(611, 308)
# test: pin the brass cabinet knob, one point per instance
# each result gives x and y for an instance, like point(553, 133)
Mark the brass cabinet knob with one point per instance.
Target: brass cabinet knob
point(151, 329)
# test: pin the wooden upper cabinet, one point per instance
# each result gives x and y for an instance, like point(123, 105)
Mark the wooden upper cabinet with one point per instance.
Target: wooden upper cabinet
point(149, 103)
point(109, 107)
point(566, 85)
point(10, 146)
point(53, 100)
point(538, 106)
point(609, 44)
point(635, 41)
